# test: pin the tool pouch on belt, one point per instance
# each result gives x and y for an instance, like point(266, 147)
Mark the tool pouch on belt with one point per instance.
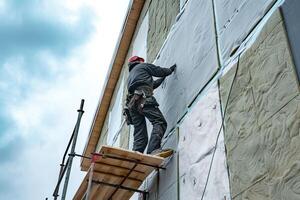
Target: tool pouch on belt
point(128, 118)
point(137, 101)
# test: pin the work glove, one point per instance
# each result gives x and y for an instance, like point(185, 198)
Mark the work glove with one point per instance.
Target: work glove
point(173, 67)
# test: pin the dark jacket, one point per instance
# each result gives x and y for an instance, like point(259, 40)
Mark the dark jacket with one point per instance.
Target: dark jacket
point(141, 74)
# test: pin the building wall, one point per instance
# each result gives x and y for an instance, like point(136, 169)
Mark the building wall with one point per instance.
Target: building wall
point(262, 118)
point(233, 105)
point(162, 14)
point(140, 46)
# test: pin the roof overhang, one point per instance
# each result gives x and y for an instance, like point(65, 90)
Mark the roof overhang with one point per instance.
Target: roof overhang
point(118, 59)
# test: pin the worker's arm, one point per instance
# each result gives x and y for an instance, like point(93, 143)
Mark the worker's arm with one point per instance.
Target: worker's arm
point(159, 71)
point(158, 82)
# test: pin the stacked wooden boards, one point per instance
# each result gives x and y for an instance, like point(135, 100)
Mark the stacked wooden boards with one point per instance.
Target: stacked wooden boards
point(112, 166)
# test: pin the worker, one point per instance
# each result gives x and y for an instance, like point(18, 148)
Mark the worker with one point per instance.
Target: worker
point(141, 103)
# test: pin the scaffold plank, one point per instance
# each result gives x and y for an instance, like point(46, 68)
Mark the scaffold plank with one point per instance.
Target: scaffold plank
point(117, 173)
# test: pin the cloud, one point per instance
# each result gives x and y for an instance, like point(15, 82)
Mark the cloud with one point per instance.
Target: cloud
point(38, 40)
point(9, 143)
point(49, 60)
point(10, 149)
point(35, 37)
point(27, 29)
point(34, 31)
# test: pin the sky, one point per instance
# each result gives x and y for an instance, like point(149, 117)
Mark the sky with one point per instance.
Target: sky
point(52, 55)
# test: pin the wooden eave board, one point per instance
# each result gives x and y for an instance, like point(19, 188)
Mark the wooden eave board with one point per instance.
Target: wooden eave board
point(113, 171)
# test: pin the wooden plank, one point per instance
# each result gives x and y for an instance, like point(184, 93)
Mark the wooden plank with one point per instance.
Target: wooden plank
point(117, 175)
point(118, 170)
point(145, 158)
point(114, 171)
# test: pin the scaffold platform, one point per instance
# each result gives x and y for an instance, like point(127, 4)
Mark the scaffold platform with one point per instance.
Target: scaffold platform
point(116, 174)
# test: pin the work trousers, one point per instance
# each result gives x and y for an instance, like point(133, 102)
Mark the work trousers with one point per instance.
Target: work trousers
point(154, 115)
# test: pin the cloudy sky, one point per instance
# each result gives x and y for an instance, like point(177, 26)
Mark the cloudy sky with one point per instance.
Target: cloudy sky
point(52, 54)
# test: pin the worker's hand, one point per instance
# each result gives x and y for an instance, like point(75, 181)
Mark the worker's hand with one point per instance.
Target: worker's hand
point(173, 67)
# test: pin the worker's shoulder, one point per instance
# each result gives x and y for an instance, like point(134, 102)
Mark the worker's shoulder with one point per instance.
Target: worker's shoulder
point(147, 65)
point(144, 66)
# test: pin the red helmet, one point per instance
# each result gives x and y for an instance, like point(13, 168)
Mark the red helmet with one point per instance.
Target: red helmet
point(136, 58)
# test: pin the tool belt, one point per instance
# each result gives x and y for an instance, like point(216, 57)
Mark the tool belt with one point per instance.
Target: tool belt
point(137, 99)
point(134, 101)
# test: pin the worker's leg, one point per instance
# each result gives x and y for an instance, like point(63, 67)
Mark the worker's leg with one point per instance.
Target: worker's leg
point(140, 131)
point(154, 115)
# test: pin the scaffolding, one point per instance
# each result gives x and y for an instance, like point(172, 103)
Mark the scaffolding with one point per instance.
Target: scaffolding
point(113, 173)
point(66, 166)
point(116, 173)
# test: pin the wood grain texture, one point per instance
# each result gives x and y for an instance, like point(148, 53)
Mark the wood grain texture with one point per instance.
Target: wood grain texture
point(113, 171)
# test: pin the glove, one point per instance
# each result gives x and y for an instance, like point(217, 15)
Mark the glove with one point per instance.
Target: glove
point(173, 67)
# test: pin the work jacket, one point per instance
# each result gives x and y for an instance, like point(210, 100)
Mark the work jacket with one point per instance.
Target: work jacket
point(141, 78)
point(141, 74)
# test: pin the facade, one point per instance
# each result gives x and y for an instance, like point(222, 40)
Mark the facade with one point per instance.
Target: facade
point(233, 105)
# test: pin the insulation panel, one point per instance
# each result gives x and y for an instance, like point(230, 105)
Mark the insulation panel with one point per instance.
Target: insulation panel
point(291, 15)
point(167, 178)
point(191, 45)
point(235, 20)
point(199, 131)
point(264, 86)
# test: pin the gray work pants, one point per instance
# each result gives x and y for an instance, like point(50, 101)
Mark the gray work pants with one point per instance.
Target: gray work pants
point(154, 115)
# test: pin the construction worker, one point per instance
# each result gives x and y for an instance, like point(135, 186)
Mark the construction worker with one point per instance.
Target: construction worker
point(141, 103)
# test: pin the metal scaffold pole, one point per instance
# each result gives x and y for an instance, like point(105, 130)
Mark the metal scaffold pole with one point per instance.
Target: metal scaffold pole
point(62, 167)
point(71, 155)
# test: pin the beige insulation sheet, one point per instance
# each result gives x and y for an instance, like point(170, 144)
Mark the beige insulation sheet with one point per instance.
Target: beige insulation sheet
point(262, 119)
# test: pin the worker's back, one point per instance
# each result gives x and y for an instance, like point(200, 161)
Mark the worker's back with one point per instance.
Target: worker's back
point(142, 74)
point(138, 75)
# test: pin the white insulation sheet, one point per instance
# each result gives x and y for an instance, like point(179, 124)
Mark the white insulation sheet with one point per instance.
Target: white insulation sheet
point(235, 20)
point(191, 45)
point(115, 117)
point(197, 139)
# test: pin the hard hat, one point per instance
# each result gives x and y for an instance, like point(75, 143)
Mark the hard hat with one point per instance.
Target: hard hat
point(136, 58)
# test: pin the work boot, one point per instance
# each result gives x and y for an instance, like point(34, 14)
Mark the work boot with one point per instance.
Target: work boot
point(164, 153)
